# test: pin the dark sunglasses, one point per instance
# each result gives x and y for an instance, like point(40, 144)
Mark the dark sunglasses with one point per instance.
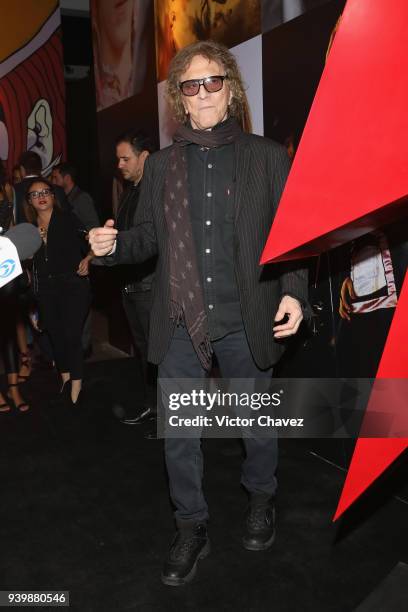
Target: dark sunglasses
point(211, 85)
point(34, 195)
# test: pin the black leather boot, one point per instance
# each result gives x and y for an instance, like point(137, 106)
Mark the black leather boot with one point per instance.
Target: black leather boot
point(260, 522)
point(190, 544)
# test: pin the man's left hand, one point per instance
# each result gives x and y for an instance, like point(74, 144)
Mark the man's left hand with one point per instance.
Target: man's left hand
point(83, 268)
point(291, 307)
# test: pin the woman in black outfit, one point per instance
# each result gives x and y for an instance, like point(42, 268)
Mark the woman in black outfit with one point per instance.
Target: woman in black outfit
point(8, 311)
point(60, 280)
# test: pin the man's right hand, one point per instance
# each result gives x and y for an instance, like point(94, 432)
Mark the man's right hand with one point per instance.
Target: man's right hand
point(102, 239)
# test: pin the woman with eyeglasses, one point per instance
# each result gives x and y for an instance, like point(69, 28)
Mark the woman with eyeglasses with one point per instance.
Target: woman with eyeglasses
point(60, 281)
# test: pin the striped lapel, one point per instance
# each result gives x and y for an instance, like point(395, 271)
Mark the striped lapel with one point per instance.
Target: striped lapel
point(160, 178)
point(242, 161)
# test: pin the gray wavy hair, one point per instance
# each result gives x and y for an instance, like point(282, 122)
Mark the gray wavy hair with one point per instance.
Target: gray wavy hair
point(215, 52)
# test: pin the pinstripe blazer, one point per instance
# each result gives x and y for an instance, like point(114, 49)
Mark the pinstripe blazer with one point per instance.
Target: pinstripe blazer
point(261, 170)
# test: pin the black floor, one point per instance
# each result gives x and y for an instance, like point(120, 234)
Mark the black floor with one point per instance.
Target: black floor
point(84, 508)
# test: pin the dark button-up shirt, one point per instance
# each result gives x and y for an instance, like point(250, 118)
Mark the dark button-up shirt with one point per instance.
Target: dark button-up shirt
point(211, 180)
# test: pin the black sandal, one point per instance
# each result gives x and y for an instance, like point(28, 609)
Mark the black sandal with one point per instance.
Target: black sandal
point(25, 360)
point(22, 406)
point(5, 407)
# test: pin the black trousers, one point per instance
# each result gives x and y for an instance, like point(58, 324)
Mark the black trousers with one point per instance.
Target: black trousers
point(137, 306)
point(64, 304)
point(184, 459)
point(9, 306)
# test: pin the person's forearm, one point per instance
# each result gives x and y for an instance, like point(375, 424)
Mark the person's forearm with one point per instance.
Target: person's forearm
point(132, 246)
point(135, 245)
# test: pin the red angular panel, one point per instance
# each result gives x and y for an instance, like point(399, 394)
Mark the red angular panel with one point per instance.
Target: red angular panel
point(372, 456)
point(370, 459)
point(352, 161)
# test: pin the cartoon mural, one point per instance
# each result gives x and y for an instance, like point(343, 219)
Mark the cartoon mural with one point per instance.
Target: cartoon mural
point(32, 94)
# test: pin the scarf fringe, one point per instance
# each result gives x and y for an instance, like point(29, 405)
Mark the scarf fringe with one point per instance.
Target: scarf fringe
point(204, 349)
point(176, 312)
point(205, 353)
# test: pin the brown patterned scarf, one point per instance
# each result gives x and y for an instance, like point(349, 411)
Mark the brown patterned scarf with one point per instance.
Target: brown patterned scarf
point(186, 295)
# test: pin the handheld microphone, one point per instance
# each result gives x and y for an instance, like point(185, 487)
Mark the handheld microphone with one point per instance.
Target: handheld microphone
point(25, 238)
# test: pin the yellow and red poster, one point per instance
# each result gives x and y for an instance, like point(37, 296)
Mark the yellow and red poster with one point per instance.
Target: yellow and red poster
point(32, 94)
point(181, 22)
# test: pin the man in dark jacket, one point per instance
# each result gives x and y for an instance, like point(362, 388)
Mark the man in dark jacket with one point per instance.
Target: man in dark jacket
point(132, 149)
point(206, 207)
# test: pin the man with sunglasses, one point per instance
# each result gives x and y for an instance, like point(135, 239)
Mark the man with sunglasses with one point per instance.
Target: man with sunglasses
point(206, 207)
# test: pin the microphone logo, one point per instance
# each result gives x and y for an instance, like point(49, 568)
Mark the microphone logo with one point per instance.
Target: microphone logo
point(7, 267)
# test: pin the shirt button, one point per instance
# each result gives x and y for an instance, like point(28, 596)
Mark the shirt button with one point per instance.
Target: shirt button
point(208, 222)
point(209, 279)
point(209, 194)
point(208, 251)
point(210, 306)
point(210, 166)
